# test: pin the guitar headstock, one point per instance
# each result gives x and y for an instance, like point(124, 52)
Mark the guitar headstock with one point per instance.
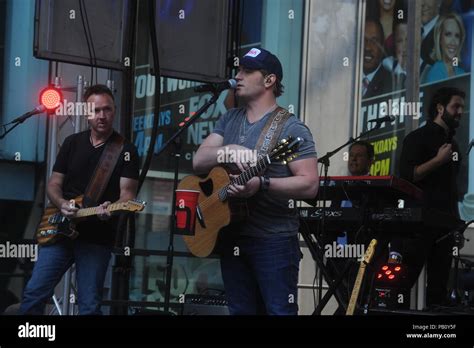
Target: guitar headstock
point(134, 205)
point(370, 251)
point(286, 149)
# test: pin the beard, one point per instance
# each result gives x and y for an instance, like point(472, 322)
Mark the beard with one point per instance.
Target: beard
point(450, 120)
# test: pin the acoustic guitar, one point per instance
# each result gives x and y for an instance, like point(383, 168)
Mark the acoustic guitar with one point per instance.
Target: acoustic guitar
point(54, 225)
point(213, 211)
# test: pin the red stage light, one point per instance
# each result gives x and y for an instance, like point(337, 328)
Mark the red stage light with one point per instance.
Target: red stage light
point(397, 269)
point(379, 276)
point(391, 276)
point(388, 272)
point(50, 98)
point(384, 268)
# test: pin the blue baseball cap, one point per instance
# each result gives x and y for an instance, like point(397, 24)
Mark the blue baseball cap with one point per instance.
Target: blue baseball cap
point(259, 58)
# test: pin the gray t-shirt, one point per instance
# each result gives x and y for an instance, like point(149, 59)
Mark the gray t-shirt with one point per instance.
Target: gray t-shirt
point(269, 214)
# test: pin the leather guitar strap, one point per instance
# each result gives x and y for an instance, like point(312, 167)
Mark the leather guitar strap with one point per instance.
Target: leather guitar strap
point(272, 130)
point(103, 171)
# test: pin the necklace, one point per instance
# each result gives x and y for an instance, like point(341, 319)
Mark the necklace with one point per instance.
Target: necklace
point(243, 126)
point(243, 134)
point(98, 145)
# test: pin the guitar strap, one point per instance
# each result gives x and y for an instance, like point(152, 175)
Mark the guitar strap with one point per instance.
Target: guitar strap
point(103, 171)
point(272, 130)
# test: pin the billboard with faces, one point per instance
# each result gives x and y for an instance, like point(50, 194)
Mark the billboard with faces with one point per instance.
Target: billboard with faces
point(445, 60)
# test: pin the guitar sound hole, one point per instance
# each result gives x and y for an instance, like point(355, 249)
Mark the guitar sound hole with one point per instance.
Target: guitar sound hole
point(207, 187)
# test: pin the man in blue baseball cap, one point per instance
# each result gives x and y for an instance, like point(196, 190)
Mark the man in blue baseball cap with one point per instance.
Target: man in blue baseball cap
point(269, 66)
point(260, 59)
point(260, 256)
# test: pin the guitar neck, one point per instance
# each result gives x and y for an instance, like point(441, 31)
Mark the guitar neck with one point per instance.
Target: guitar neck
point(360, 276)
point(85, 212)
point(245, 176)
point(356, 289)
point(253, 171)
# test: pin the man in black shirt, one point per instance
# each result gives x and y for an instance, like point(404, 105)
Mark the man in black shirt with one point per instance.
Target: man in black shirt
point(91, 251)
point(431, 160)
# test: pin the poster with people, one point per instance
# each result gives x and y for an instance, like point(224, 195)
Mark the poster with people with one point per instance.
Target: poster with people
point(445, 60)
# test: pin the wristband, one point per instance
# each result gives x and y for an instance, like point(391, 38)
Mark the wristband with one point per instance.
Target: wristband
point(266, 184)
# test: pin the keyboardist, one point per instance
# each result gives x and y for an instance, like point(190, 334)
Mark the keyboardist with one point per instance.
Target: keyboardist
point(361, 157)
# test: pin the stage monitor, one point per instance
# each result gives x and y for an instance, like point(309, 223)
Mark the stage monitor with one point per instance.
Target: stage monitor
point(60, 34)
point(193, 38)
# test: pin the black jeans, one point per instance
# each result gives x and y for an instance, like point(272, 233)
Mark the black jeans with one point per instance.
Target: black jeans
point(438, 256)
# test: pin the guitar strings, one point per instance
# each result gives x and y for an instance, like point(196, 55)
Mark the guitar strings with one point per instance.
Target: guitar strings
point(246, 175)
point(261, 161)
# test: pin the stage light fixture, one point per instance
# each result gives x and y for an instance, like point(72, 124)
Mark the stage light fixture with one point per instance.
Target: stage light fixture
point(50, 98)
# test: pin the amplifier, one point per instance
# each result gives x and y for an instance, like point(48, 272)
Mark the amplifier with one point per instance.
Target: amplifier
point(205, 305)
point(391, 298)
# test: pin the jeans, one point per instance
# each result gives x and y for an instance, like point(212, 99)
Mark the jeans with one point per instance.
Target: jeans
point(438, 257)
point(53, 261)
point(261, 274)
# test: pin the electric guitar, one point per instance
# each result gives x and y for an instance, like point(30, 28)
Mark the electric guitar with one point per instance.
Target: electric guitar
point(213, 211)
point(360, 276)
point(54, 225)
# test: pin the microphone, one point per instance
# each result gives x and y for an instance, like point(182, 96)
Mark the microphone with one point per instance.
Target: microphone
point(383, 119)
point(37, 110)
point(216, 87)
point(469, 147)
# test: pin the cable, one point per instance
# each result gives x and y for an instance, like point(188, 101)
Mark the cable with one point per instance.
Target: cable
point(314, 290)
point(156, 66)
point(306, 226)
point(94, 57)
point(87, 40)
point(239, 42)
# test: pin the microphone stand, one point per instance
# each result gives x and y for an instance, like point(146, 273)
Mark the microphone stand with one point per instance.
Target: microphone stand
point(458, 236)
point(17, 122)
point(6, 131)
point(325, 161)
point(175, 139)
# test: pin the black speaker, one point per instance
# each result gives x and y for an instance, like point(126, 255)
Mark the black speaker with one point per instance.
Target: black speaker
point(205, 305)
point(60, 33)
point(194, 38)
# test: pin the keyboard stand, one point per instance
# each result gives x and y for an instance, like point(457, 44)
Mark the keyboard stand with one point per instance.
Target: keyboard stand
point(335, 287)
